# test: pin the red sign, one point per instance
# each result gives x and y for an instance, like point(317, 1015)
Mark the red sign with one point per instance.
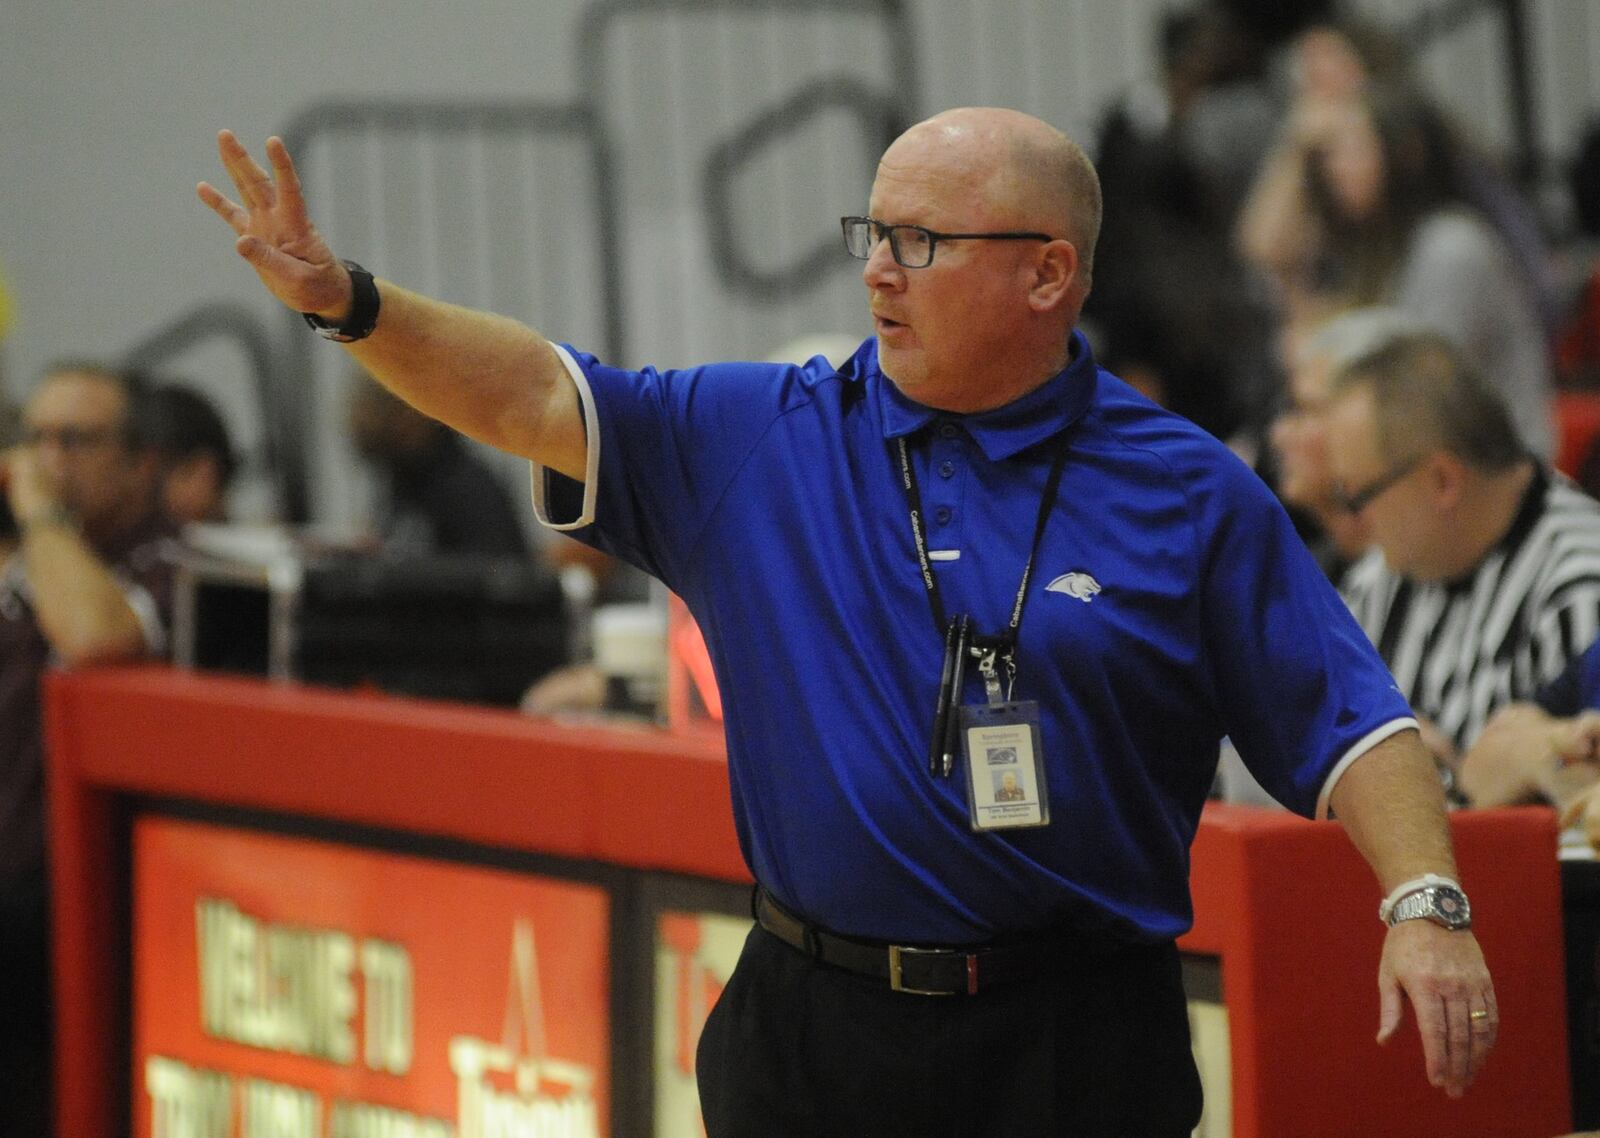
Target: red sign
point(288, 988)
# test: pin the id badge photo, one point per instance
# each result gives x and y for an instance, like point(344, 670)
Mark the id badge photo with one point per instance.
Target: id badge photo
point(1005, 770)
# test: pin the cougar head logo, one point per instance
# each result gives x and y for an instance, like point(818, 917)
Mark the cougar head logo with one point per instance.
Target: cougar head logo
point(1079, 585)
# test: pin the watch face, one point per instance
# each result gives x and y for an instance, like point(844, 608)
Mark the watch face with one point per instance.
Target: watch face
point(1441, 904)
point(1449, 907)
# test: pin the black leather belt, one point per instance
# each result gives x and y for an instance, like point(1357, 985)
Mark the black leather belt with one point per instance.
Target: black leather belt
point(922, 971)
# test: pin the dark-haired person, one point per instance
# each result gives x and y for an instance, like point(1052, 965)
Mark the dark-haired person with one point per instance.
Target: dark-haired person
point(434, 495)
point(86, 583)
point(197, 457)
point(1362, 204)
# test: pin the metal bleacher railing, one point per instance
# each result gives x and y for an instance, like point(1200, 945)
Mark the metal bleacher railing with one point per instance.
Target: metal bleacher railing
point(682, 206)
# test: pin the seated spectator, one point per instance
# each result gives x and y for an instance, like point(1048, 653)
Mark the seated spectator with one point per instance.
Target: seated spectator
point(1170, 305)
point(1485, 577)
point(86, 582)
point(1343, 59)
point(197, 458)
point(1299, 437)
point(1363, 204)
point(435, 495)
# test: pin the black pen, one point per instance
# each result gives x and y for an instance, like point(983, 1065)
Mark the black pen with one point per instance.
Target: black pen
point(952, 725)
point(941, 710)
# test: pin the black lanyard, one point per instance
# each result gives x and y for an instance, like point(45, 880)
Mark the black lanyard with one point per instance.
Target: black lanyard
point(908, 480)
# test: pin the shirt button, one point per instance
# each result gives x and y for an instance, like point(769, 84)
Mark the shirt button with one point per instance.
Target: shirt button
point(948, 430)
point(943, 515)
point(946, 469)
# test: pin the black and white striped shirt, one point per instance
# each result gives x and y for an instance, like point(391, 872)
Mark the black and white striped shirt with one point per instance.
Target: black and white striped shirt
point(1463, 649)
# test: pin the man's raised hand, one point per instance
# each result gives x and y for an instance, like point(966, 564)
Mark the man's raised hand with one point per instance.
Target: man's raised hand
point(275, 234)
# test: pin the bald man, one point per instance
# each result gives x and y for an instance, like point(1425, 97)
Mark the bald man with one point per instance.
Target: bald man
point(966, 549)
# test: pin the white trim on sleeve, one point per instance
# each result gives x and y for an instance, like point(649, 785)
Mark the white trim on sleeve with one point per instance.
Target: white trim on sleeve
point(1368, 741)
point(538, 474)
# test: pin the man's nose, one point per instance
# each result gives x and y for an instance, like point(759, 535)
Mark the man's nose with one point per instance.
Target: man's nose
point(881, 269)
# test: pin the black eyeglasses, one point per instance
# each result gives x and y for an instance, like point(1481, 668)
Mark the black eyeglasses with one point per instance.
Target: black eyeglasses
point(1358, 500)
point(912, 245)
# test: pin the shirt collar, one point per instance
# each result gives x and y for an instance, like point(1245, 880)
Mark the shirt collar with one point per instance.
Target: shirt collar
point(1003, 431)
point(1529, 511)
point(1531, 508)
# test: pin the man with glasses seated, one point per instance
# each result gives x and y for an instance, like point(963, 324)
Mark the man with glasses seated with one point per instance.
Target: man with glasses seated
point(966, 550)
point(85, 583)
point(1299, 437)
point(1484, 579)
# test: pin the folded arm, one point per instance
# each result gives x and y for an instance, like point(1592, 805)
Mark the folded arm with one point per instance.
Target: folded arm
point(80, 605)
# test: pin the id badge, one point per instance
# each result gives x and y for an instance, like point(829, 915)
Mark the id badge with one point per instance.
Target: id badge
point(1005, 769)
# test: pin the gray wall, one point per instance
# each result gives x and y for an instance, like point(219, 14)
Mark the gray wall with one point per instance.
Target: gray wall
point(108, 114)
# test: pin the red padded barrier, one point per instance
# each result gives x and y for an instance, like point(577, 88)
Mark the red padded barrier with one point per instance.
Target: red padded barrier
point(1287, 904)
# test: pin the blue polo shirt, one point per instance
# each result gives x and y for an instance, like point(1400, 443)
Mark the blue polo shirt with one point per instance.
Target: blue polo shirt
point(768, 498)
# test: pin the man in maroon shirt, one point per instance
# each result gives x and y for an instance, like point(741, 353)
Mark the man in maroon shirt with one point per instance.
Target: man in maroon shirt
point(82, 581)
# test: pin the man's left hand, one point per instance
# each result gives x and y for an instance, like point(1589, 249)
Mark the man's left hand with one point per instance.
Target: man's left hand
point(1515, 749)
point(1443, 974)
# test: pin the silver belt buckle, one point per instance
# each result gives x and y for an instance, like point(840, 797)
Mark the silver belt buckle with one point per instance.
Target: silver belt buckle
point(896, 951)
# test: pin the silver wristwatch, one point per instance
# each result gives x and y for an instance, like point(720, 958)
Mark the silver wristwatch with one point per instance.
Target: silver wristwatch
point(1441, 903)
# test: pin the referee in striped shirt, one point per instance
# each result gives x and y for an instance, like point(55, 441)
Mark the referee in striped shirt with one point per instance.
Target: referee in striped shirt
point(1484, 579)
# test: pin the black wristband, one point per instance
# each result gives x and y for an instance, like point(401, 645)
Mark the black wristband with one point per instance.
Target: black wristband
point(363, 317)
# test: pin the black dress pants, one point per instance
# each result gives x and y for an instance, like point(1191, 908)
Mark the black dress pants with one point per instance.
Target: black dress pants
point(1098, 1048)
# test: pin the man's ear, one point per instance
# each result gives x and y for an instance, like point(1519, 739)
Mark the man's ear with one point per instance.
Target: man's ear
point(1055, 276)
point(1446, 479)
